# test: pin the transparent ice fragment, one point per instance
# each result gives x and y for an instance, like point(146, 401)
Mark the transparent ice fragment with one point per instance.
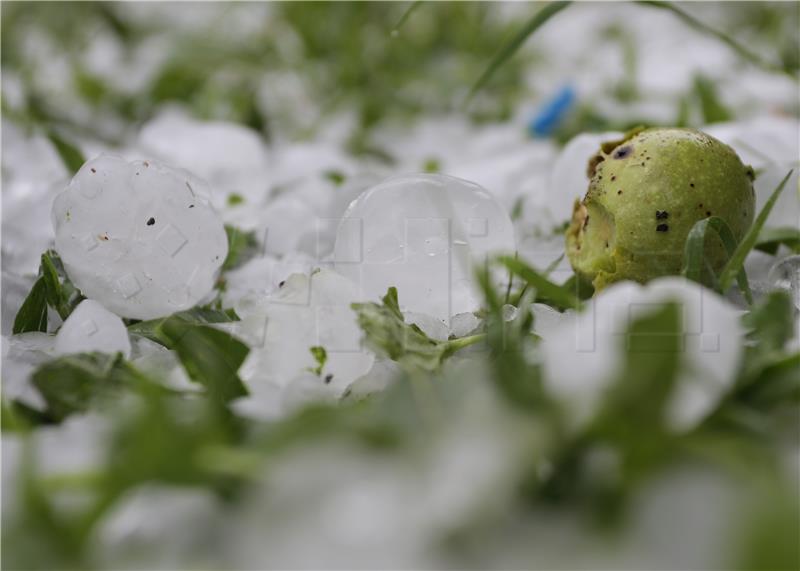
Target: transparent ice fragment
point(424, 234)
point(785, 275)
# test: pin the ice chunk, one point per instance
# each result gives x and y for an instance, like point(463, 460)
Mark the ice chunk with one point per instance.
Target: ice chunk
point(583, 354)
point(785, 275)
point(138, 237)
point(229, 156)
point(91, 327)
point(423, 234)
point(430, 326)
point(306, 311)
point(464, 324)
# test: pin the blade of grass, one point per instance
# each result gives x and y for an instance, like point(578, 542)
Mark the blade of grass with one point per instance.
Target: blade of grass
point(694, 253)
point(700, 26)
point(736, 262)
point(70, 155)
point(545, 289)
point(405, 17)
point(537, 21)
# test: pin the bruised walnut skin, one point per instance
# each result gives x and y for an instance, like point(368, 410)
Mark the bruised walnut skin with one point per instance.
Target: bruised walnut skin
point(646, 192)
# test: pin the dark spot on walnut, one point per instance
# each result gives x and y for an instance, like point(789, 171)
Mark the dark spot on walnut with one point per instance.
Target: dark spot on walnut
point(662, 214)
point(151, 221)
point(708, 213)
point(191, 206)
point(613, 178)
point(281, 284)
point(93, 170)
point(328, 378)
point(623, 152)
point(619, 192)
point(691, 184)
point(662, 227)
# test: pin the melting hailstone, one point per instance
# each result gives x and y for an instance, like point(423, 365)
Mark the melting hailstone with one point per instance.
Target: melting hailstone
point(423, 234)
point(138, 237)
point(785, 275)
point(91, 327)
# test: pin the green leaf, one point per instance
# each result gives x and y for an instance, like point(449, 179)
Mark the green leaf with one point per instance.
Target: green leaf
point(32, 316)
point(633, 418)
point(517, 379)
point(509, 49)
point(242, 247)
point(54, 288)
point(210, 357)
point(195, 316)
point(736, 263)
point(771, 238)
point(70, 155)
point(387, 333)
point(695, 265)
point(555, 295)
point(771, 322)
point(714, 111)
point(74, 383)
point(320, 356)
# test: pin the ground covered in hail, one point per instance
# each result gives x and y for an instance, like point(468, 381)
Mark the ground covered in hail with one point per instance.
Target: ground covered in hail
point(285, 286)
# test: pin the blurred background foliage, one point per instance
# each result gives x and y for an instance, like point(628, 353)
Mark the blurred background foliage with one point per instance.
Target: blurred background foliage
point(376, 61)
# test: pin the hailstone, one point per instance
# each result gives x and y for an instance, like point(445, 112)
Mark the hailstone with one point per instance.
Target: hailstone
point(583, 354)
point(306, 311)
point(423, 234)
point(646, 193)
point(138, 237)
point(91, 327)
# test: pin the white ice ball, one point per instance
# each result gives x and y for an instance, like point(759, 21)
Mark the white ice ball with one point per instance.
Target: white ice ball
point(306, 311)
point(91, 327)
point(583, 354)
point(138, 237)
point(423, 234)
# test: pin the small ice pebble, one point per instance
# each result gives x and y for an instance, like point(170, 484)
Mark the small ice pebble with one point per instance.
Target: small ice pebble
point(306, 311)
point(91, 327)
point(138, 237)
point(583, 354)
point(423, 234)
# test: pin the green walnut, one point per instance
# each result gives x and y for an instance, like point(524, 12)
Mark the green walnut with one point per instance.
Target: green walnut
point(646, 192)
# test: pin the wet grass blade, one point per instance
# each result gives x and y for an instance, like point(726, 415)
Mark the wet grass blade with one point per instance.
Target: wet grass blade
point(555, 295)
point(736, 262)
point(537, 21)
point(70, 155)
point(694, 254)
point(404, 18)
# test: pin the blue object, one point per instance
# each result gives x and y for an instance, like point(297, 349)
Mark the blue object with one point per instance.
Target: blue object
point(552, 112)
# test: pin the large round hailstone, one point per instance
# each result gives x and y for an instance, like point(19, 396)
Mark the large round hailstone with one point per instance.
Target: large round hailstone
point(423, 234)
point(306, 311)
point(231, 157)
point(583, 355)
point(91, 327)
point(138, 237)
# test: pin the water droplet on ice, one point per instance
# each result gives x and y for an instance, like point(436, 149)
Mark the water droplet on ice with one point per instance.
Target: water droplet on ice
point(785, 275)
point(510, 312)
point(399, 233)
